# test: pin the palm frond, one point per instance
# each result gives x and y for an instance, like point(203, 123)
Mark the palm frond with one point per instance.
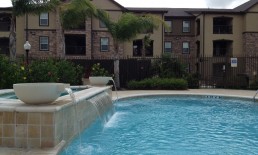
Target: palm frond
point(76, 12)
point(21, 7)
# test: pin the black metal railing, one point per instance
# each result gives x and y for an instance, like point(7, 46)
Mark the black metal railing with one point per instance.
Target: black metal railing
point(222, 29)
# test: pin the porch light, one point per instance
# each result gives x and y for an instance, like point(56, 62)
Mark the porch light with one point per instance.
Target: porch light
point(27, 47)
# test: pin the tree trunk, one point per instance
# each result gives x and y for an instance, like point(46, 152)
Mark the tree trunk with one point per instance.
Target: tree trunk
point(60, 36)
point(116, 65)
point(12, 39)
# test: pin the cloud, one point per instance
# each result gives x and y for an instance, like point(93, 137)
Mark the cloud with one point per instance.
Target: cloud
point(224, 3)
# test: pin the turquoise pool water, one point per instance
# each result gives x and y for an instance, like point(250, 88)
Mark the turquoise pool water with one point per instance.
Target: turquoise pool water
point(173, 125)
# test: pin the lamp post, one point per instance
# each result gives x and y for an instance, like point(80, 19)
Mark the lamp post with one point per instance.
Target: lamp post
point(27, 47)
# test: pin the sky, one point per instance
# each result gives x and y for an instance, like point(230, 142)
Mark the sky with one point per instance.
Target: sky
point(169, 3)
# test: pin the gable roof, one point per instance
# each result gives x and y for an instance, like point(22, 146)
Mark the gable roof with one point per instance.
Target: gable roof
point(117, 4)
point(246, 6)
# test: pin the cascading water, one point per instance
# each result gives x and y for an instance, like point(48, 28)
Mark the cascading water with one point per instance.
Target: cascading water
point(71, 94)
point(103, 105)
point(115, 88)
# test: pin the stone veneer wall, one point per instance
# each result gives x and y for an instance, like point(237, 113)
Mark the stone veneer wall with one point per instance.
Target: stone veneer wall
point(250, 44)
point(96, 53)
point(46, 129)
point(34, 41)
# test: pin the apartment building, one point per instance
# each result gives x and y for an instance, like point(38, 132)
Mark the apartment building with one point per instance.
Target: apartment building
point(194, 32)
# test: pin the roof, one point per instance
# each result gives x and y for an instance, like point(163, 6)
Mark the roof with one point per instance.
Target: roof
point(119, 5)
point(152, 10)
point(246, 6)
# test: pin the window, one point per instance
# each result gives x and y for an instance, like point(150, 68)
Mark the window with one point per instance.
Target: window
point(168, 46)
point(104, 44)
point(43, 19)
point(168, 29)
point(43, 43)
point(186, 49)
point(102, 24)
point(186, 26)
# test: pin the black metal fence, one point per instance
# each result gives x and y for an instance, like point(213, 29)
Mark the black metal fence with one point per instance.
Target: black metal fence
point(213, 72)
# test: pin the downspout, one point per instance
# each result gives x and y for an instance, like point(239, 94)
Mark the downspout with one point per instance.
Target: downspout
point(27, 36)
point(203, 35)
point(91, 32)
point(162, 46)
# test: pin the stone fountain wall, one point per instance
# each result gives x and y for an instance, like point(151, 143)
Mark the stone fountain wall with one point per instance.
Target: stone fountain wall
point(23, 126)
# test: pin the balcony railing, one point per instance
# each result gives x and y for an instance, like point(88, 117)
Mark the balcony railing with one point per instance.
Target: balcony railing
point(222, 29)
point(75, 50)
point(219, 52)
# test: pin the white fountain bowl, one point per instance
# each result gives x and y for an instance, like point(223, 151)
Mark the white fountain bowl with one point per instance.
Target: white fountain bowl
point(39, 93)
point(99, 80)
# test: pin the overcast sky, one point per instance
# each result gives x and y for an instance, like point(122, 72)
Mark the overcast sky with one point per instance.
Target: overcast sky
point(169, 3)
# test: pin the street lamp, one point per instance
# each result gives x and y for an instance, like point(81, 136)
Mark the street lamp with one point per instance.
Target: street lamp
point(27, 47)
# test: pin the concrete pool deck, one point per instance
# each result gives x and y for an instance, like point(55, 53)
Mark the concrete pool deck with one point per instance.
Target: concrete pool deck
point(128, 93)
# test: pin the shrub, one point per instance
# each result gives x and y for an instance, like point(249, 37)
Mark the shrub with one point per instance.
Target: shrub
point(68, 72)
point(193, 80)
point(97, 70)
point(43, 71)
point(10, 73)
point(168, 67)
point(158, 83)
point(254, 84)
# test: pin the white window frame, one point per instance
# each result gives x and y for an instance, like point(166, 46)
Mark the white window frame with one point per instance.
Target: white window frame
point(168, 49)
point(44, 19)
point(104, 44)
point(186, 47)
point(186, 26)
point(43, 43)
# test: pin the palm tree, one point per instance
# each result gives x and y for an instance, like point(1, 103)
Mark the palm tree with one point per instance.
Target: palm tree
point(125, 29)
point(23, 7)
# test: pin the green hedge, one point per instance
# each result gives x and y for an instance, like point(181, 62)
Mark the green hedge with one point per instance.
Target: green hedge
point(158, 84)
point(50, 70)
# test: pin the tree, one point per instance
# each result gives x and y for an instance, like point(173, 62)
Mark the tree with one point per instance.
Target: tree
point(125, 29)
point(23, 7)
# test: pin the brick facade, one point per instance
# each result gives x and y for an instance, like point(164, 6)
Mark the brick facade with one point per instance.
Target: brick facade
point(250, 45)
point(177, 45)
point(33, 37)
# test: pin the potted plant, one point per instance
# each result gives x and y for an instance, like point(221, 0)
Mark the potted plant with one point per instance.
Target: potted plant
point(99, 76)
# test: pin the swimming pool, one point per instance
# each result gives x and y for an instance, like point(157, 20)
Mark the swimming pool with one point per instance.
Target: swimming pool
point(173, 125)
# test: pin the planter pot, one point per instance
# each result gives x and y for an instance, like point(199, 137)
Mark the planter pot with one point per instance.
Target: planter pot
point(39, 93)
point(99, 80)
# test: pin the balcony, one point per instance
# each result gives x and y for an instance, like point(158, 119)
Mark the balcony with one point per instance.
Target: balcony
point(222, 48)
point(222, 25)
point(5, 26)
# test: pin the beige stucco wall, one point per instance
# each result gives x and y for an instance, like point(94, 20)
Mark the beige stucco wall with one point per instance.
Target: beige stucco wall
point(33, 21)
point(114, 15)
point(251, 24)
point(106, 4)
point(236, 37)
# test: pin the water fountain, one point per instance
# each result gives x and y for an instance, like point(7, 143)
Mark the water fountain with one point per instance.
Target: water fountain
point(52, 122)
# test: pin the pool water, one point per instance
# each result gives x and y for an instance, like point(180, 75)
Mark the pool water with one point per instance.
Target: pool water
point(173, 125)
